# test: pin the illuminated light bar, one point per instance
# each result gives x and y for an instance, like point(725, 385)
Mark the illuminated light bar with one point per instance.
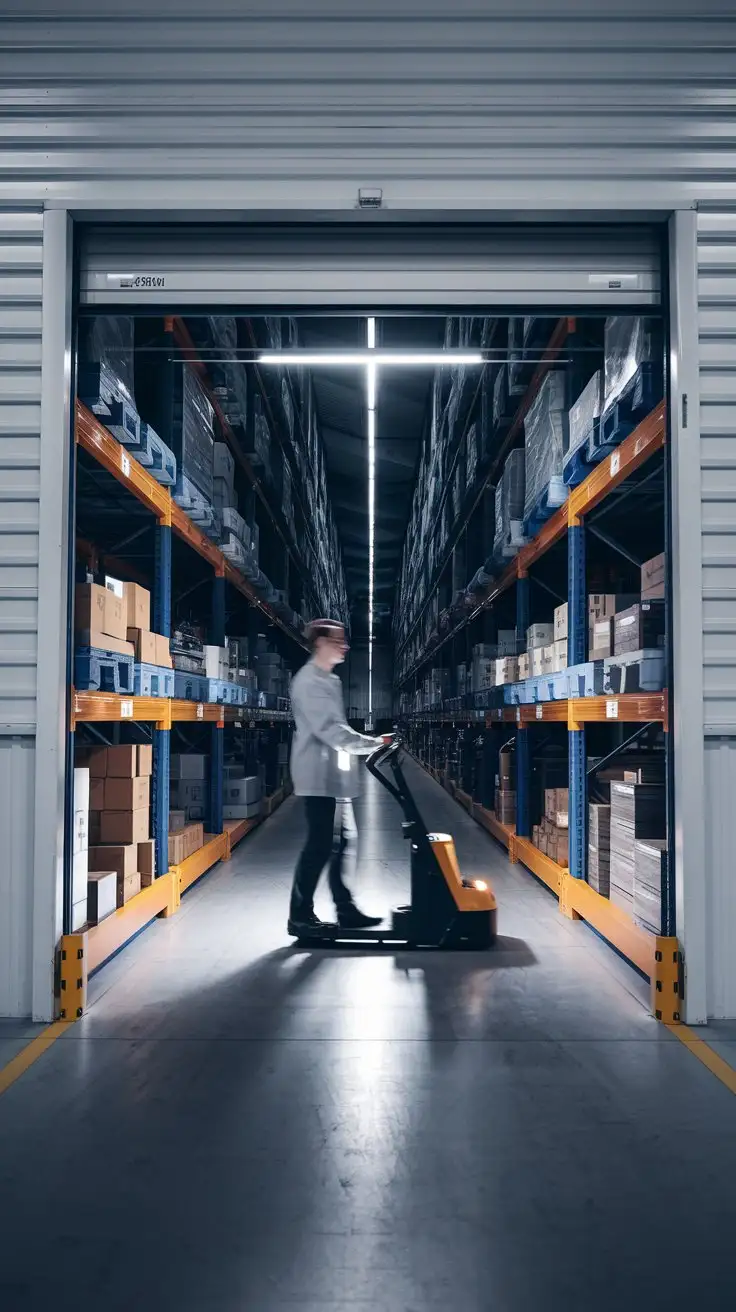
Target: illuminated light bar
point(360, 359)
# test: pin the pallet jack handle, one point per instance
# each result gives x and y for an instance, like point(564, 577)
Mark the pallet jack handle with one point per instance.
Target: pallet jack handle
point(390, 751)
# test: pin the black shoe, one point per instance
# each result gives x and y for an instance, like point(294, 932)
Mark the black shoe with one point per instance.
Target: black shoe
point(301, 924)
point(352, 918)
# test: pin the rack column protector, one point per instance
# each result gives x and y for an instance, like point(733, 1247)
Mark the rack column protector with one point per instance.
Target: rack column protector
point(161, 737)
point(577, 620)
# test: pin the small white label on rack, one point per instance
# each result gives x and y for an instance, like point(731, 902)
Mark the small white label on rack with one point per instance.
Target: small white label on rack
point(611, 710)
point(200, 711)
point(518, 715)
point(126, 710)
point(540, 711)
point(615, 463)
point(638, 446)
point(125, 464)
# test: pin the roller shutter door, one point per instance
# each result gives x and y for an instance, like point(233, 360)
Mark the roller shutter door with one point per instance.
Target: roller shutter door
point(371, 264)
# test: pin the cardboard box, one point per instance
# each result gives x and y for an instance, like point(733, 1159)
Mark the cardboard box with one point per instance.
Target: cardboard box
point(242, 811)
point(188, 765)
point(638, 627)
point(127, 794)
point(216, 662)
point(242, 791)
point(144, 760)
point(560, 655)
point(94, 758)
point(600, 639)
point(505, 767)
point(560, 623)
point(122, 858)
point(144, 644)
point(537, 662)
point(102, 895)
point(126, 827)
point(524, 666)
point(539, 635)
point(177, 820)
point(163, 651)
point(137, 606)
point(98, 611)
point(128, 886)
point(122, 761)
point(184, 843)
point(507, 670)
point(96, 794)
point(105, 641)
point(653, 578)
point(548, 659)
point(147, 862)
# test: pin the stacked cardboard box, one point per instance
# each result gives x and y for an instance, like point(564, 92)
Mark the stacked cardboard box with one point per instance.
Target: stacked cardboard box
point(242, 794)
point(188, 787)
point(639, 626)
point(185, 842)
point(602, 608)
point(552, 834)
point(650, 863)
point(653, 579)
point(100, 619)
point(119, 818)
point(599, 847)
point(637, 811)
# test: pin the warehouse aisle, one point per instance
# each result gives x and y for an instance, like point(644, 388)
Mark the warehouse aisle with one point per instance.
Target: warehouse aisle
point(237, 1124)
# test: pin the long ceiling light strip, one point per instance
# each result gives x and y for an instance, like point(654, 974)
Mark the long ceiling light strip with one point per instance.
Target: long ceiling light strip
point(371, 388)
point(361, 359)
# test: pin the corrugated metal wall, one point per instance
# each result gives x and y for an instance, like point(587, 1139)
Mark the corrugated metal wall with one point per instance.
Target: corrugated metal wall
point(720, 788)
point(20, 427)
point(292, 105)
point(717, 315)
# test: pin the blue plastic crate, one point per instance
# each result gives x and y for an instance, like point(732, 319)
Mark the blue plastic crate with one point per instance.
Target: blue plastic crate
point(553, 495)
point(585, 680)
point(553, 687)
point(527, 692)
point(97, 670)
point(190, 687)
point(215, 691)
point(162, 462)
point(152, 680)
point(638, 397)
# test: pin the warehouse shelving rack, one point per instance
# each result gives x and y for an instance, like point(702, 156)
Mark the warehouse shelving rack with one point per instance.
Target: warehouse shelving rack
point(83, 952)
point(656, 956)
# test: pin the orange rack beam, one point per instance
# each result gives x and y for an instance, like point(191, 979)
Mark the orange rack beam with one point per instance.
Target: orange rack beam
point(522, 849)
point(503, 833)
point(91, 707)
point(94, 438)
point(214, 849)
point(110, 935)
point(629, 708)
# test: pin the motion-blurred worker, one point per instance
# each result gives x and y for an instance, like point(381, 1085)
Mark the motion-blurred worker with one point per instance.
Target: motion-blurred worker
point(325, 773)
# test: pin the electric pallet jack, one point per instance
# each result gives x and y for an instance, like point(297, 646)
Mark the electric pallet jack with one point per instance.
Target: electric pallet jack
point(445, 911)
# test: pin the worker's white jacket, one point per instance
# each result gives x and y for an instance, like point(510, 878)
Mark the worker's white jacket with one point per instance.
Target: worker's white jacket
point(325, 749)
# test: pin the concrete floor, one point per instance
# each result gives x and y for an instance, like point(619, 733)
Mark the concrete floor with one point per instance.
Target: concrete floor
point(237, 1124)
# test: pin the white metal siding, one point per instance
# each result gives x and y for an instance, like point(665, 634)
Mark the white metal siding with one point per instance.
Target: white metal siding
point(717, 317)
point(720, 791)
point(17, 766)
point(20, 427)
point(293, 106)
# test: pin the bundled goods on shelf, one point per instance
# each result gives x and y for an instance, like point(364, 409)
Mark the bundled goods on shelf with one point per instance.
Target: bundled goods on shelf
point(187, 649)
point(500, 396)
point(599, 847)
point(505, 793)
point(630, 344)
point(602, 609)
point(560, 623)
point(545, 443)
point(184, 842)
point(650, 869)
point(242, 794)
point(552, 834)
point(638, 626)
point(509, 507)
point(472, 455)
point(116, 797)
point(223, 477)
point(192, 439)
point(638, 811)
point(188, 786)
point(653, 574)
point(584, 412)
point(114, 646)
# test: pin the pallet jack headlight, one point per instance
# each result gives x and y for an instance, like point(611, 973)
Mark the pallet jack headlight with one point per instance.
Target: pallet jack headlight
point(481, 885)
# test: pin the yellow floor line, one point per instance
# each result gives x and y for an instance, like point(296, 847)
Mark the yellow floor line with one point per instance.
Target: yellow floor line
point(31, 1053)
point(704, 1053)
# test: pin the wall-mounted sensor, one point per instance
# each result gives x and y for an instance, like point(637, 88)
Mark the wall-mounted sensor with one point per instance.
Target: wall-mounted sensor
point(370, 198)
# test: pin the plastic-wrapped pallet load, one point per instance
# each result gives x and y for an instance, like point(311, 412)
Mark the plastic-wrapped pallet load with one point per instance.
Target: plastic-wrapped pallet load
point(500, 396)
point(585, 411)
point(108, 340)
point(517, 386)
point(628, 343)
point(194, 433)
point(510, 507)
point(545, 438)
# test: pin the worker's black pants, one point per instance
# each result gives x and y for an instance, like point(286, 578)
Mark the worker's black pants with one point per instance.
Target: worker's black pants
point(327, 840)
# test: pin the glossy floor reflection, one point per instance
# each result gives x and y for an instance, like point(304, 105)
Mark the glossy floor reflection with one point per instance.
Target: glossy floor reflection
point(240, 1124)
